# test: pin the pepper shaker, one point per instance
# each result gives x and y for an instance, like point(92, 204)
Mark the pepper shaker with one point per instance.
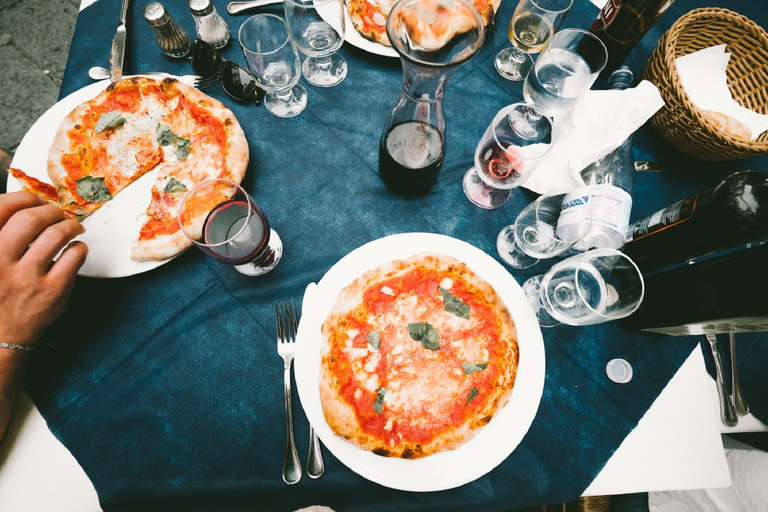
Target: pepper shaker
point(211, 27)
point(169, 36)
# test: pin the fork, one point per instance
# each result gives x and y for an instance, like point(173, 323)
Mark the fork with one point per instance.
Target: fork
point(197, 81)
point(286, 338)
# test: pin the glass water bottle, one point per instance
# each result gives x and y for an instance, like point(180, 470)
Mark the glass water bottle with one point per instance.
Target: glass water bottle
point(412, 145)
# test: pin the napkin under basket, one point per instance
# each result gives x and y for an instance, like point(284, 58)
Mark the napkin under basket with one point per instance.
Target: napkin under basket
point(679, 122)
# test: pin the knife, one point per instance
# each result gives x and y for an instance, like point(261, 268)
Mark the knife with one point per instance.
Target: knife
point(118, 46)
point(236, 7)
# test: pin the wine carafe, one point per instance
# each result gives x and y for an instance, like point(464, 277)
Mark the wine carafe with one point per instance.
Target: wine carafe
point(413, 141)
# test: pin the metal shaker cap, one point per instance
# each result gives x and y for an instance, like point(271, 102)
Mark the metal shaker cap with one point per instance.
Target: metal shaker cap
point(155, 14)
point(200, 7)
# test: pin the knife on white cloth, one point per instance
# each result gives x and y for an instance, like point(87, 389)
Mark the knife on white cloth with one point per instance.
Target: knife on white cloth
point(117, 54)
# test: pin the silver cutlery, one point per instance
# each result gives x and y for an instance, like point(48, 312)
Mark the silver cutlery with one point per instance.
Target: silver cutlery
point(286, 339)
point(727, 410)
point(737, 396)
point(99, 73)
point(236, 7)
point(315, 465)
point(117, 54)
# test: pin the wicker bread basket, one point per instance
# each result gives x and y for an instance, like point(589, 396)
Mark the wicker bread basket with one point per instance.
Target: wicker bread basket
point(679, 122)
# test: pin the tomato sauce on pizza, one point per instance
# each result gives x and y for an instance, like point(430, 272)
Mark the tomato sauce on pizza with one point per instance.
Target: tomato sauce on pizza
point(418, 355)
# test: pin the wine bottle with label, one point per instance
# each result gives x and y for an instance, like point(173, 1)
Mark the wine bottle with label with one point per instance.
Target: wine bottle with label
point(622, 23)
point(725, 215)
point(606, 198)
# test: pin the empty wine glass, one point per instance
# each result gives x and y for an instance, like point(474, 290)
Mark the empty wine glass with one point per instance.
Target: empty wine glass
point(511, 147)
point(590, 288)
point(565, 70)
point(535, 235)
point(275, 63)
point(225, 223)
point(317, 29)
point(532, 24)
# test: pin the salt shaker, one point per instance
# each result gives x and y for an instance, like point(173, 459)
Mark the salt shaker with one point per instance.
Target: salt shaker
point(169, 36)
point(211, 28)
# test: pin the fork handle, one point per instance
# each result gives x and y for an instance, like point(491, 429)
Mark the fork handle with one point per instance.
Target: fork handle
point(315, 466)
point(291, 464)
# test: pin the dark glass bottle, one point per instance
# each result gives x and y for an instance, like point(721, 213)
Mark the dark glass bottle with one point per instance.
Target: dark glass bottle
point(725, 215)
point(622, 23)
point(719, 294)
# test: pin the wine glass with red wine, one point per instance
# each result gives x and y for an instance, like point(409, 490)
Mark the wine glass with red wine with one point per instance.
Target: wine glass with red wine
point(225, 223)
point(512, 146)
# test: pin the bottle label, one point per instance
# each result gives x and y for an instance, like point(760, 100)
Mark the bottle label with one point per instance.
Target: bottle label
point(607, 206)
point(670, 216)
point(607, 15)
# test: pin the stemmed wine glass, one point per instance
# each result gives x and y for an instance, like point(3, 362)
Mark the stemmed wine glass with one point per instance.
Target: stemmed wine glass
point(535, 235)
point(590, 288)
point(225, 223)
point(275, 63)
point(509, 150)
point(317, 28)
point(532, 24)
point(565, 71)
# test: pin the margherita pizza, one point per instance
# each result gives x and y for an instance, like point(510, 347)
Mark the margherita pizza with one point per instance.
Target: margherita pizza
point(134, 126)
point(369, 18)
point(417, 356)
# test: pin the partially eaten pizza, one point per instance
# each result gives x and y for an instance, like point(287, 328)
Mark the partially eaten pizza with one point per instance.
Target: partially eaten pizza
point(137, 125)
point(417, 356)
point(369, 18)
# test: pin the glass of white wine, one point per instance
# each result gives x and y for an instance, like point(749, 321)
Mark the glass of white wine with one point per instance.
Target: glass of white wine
point(533, 23)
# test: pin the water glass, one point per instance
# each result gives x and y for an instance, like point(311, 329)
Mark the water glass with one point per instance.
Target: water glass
point(590, 288)
point(565, 71)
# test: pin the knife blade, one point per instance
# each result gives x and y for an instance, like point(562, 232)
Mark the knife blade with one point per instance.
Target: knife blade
point(117, 55)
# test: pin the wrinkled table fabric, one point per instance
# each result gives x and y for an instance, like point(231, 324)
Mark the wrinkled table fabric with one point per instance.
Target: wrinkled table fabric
point(167, 387)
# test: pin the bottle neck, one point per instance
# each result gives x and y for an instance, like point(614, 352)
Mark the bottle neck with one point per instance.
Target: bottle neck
point(425, 83)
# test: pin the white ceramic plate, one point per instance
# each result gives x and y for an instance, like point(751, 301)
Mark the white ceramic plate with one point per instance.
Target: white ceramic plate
point(352, 36)
point(112, 229)
point(495, 441)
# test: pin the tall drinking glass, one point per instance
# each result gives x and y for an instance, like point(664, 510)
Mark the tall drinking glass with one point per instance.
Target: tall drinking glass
point(275, 63)
point(317, 28)
point(531, 27)
point(590, 288)
point(224, 222)
point(565, 70)
point(509, 150)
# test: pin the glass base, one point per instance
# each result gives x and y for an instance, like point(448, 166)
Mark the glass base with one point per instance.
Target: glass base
point(288, 103)
point(481, 194)
point(264, 265)
point(509, 251)
point(513, 64)
point(324, 71)
point(532, 290)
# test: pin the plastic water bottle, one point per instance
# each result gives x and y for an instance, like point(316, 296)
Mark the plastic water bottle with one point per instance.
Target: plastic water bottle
point(606, 198)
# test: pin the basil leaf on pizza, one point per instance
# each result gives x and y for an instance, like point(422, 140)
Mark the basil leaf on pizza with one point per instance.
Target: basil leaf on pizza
point(453, 304)
point(425, 334)
point(93, 189)
point(174, 185)
point(444, 376)
point(109, 119)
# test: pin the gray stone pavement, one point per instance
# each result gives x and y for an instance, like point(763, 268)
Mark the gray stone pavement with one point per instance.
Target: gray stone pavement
point(34, 44)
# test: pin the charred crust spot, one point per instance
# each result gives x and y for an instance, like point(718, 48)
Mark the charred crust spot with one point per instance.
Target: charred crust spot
point(485, 420)
point(228, 122)
point(381, 451)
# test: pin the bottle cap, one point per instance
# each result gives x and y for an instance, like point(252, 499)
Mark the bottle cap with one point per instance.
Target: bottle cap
point(200, 7)
point(619, 370)
point(155, 13)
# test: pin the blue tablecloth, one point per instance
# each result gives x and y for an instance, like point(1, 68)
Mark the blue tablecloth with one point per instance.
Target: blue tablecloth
point(167, 387)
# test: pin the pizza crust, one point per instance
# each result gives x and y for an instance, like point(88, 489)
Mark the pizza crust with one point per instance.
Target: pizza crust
point(415, 422)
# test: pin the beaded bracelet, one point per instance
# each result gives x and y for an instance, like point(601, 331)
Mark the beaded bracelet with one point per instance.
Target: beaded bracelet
point(25, 348)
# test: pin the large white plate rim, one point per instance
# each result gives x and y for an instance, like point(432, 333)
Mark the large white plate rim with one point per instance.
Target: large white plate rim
point(496, 441)
point(110, 233)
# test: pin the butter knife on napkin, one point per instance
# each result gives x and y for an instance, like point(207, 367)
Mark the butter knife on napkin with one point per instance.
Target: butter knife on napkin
point(118, 46)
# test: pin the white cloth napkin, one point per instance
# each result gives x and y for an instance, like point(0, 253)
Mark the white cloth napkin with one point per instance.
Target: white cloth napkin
point(599, 123)
point(702, 75)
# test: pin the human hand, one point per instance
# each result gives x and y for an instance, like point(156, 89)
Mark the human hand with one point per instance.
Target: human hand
point(35, 290)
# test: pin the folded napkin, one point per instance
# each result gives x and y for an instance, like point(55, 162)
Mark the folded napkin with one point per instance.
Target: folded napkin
point(703, 77)
point(600, 122)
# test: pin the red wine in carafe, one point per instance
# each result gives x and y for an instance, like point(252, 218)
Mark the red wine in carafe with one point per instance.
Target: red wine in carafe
point(410, 157)
point(228, 222)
